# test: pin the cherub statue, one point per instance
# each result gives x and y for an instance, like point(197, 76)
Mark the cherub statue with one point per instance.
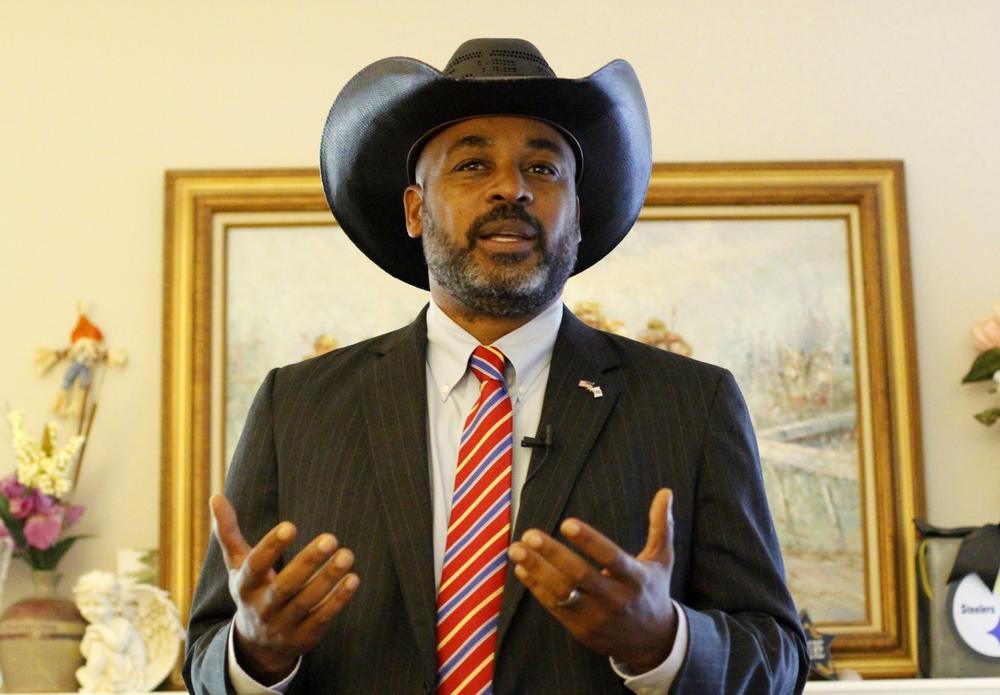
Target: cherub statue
point(86, 350)
point(134, 636)
point(114, 649)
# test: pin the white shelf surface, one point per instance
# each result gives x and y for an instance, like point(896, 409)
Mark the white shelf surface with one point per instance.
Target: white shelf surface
point(928, 686)
point(924, 686)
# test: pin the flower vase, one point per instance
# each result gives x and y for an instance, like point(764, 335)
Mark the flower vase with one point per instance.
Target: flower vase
point(40, 639)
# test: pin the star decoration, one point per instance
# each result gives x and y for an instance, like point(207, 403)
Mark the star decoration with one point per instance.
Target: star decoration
point(995, 631)
point(821, 663)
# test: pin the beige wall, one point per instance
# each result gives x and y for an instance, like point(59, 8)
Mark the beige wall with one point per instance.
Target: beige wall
point(97, 99)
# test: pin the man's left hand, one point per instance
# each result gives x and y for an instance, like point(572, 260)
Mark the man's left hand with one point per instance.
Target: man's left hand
point(624, 609)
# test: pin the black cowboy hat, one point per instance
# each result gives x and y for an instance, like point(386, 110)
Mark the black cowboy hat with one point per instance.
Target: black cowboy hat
point(383, 116)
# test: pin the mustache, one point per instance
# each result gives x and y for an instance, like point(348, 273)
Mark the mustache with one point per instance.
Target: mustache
point(504, 211)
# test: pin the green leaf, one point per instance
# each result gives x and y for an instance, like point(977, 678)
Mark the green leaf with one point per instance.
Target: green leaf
point(49, 559)
point(989, 416)
point(13, 525)
point(35, 558)
point(984, 366)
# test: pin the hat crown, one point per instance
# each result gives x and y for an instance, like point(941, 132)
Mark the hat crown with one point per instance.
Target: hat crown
point(497, 58)
point(85, 329)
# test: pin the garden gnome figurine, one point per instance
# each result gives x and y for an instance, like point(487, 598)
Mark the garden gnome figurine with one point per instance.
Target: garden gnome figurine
point(85, 352)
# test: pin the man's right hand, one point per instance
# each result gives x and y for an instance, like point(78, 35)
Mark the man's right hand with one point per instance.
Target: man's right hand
point(280, 615)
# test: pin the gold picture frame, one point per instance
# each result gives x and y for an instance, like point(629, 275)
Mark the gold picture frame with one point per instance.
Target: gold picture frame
point(864, 199)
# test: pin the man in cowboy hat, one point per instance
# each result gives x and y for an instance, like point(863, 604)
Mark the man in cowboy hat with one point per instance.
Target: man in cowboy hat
point(635, 518)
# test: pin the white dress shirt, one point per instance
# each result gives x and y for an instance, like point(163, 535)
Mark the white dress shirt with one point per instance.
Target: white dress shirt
point(452, 391)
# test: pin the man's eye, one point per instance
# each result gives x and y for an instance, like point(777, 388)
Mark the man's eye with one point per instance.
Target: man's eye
point(545, 169)
point(470, 165)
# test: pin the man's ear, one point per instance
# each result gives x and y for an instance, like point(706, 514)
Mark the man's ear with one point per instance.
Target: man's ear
point(413, 206)
point(579, 235)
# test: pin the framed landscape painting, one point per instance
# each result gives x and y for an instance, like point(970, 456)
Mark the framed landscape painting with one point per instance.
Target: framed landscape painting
point(795, 276)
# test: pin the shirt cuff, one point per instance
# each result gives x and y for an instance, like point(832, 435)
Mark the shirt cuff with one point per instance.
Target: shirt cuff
point(244, 684)
point(659, 680)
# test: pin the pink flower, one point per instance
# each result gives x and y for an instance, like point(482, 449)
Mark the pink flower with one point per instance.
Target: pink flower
point(41, 531)
point(986, 334)
point(10, 488)
point(73, 513)
point(21, 507)
point(45, 504)
point(21, 500)
point(4, 533)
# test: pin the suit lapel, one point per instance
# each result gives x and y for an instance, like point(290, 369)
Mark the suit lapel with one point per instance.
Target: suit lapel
point(576, 417)
point(395, 404)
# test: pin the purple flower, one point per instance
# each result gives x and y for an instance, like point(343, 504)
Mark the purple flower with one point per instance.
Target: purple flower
point(41, 531)
point(45, 504)
point(22, 500)
point(21, 507)
point(41, 517)
point(73, 513)
point(10, 487)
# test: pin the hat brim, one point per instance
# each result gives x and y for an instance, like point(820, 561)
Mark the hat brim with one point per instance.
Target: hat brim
point(391, 104)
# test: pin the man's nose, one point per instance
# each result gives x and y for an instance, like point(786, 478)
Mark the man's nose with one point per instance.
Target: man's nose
point(510, 186)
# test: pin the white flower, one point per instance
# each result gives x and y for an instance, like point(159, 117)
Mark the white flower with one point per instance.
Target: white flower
point(40, 464)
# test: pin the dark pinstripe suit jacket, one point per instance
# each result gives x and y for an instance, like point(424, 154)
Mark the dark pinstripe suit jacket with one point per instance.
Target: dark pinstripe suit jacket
point(339, 443)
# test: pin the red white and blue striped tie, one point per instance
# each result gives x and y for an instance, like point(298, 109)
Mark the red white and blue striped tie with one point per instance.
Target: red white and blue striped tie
point(475, 558)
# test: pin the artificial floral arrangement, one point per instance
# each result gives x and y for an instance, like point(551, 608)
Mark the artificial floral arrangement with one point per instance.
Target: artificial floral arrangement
point(35, 509)
point(986, 367)
point(33, 500)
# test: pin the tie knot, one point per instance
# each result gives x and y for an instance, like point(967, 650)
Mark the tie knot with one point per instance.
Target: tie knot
point(487, 363)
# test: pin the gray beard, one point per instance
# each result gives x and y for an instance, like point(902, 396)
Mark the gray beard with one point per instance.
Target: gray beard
point(501, 289)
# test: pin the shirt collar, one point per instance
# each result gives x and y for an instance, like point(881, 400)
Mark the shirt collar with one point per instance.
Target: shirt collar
point(528, 349)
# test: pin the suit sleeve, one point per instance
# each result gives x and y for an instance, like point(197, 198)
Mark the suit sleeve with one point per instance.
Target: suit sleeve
point(744, 633)
point(252, 487)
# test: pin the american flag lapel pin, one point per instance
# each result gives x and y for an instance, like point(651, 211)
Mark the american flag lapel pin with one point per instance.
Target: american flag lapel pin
point(595, 391)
